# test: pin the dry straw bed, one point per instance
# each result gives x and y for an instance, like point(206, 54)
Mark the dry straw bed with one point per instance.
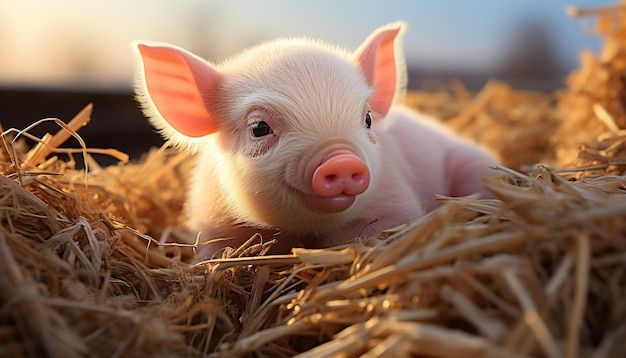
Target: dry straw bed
point(87, 267)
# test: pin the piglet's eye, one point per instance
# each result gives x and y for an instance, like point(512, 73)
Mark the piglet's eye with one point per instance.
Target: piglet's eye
point(368, 120)
point(261, 129)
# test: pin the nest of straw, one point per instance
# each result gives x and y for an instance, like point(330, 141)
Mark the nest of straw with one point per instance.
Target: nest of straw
point(88, 268)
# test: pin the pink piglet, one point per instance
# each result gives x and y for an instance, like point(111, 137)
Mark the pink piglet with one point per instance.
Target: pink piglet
point(303, 142)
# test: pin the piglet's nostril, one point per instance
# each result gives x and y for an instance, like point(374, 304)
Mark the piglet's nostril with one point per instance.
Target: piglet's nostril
point(341, 174)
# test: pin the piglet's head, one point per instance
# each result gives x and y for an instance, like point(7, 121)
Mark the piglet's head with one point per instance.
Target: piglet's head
point(288, 125)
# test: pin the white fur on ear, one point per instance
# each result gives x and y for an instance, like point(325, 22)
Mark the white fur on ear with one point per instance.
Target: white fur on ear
point(401, 80)
point(170, 129)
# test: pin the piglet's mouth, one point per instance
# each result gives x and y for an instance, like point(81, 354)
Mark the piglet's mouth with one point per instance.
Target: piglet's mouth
point(333, 204)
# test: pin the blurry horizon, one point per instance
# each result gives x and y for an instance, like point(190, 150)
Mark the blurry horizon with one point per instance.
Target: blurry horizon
point(73, 44)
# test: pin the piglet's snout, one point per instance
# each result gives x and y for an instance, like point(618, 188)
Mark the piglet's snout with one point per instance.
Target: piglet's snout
point(341, 174)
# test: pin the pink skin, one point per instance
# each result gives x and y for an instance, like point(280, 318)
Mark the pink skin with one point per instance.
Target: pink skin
point(337, 181)
point(302, 142)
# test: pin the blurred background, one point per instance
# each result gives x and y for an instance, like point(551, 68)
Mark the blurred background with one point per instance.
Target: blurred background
point(57, 56)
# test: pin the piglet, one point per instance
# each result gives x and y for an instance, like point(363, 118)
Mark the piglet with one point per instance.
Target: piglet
point(303, 142)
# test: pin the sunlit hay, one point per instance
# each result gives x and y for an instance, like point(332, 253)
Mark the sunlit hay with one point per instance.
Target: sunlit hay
point(581, 124)
point(89, 264)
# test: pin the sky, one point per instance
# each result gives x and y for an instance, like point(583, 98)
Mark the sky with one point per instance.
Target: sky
point(80, 43)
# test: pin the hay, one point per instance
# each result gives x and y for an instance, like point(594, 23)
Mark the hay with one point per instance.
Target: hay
point(87, 267)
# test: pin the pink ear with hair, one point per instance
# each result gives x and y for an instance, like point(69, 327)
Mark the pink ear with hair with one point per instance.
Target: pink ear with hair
point(382, 63)
point(180, 86)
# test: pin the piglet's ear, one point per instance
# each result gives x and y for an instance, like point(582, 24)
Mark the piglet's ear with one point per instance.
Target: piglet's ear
point(381, 61)
point(175, 88)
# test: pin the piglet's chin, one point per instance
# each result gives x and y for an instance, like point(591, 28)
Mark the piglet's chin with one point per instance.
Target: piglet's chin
point(332, 204)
